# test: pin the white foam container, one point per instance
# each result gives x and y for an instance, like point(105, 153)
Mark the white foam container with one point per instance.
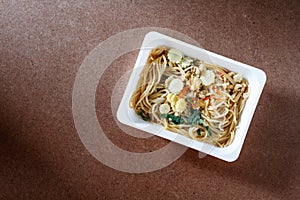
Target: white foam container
point(255, 77)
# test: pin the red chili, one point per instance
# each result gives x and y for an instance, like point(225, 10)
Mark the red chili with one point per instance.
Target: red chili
point(206, 98)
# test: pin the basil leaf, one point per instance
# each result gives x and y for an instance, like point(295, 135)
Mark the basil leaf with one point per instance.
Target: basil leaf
point(201, 121)
point(209, 131)
point(145, 118)
point(198, 132)
point(174, 119)
point(164, 116)
point(195, 118)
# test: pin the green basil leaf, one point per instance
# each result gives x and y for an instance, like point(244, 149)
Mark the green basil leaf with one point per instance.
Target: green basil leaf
point(174, 119)
point(209, 131)
point(195, 118)
point(198, 132)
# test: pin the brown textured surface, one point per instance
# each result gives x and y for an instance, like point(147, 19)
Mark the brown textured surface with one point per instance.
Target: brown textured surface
point(42, 46)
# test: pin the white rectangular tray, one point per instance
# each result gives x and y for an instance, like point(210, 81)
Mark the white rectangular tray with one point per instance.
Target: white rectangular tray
point(255, 77)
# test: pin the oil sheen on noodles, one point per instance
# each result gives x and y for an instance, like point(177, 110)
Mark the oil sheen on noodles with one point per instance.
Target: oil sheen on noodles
point(188, 96)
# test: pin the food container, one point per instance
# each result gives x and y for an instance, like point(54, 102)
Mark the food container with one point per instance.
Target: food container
point(256, 79)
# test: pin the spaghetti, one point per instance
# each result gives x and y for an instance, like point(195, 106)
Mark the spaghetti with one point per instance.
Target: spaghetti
point(188, 96)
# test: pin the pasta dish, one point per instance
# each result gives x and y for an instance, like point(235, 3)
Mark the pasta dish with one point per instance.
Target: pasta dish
point(191, 97)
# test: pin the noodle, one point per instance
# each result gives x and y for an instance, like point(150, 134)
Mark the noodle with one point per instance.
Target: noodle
point(188, 96)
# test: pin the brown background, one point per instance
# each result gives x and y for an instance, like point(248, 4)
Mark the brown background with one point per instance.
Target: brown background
point(43, 44)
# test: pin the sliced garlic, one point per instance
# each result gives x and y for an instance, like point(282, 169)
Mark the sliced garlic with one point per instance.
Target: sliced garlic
point(238, 78)
point(185, 62)
point(180, 105)
point(207, 77)
point(174, 55)
point(168, 81)
point(173, 106)
point(169, 96)
point(172, 99)
point(164, 108)
point(175, 86)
